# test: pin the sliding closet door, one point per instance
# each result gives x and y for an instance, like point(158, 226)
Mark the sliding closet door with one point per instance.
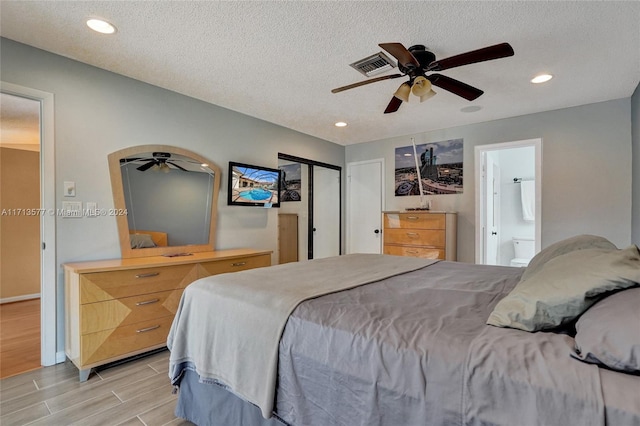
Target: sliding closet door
point(326, 212)
point(319, 185)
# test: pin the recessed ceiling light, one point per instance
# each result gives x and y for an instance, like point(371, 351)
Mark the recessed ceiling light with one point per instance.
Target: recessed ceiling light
point(101, 26)
point(541, 78)
point(341, 124)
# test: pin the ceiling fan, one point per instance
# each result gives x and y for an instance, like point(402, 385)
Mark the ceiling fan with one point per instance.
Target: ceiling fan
point(160, 161)
point(417, 61)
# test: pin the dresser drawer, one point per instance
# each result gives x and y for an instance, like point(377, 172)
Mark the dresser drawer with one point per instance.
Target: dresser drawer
point(106, 344)
point(418, 237)
point(427, 253)
point(101, 286)
point(237, 264)
point(129, 310)
point(415, 220)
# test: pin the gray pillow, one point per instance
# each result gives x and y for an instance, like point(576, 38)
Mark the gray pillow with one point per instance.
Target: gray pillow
point(565, 287)
point(141, 241)
point(579, 242)
point(609, 332)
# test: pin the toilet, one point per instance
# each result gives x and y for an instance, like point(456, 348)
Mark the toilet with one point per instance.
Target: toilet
point(525, 249)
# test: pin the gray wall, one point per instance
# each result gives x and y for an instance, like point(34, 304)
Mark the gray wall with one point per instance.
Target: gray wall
point(635, 126)
point(586, 171)
point(98, 112)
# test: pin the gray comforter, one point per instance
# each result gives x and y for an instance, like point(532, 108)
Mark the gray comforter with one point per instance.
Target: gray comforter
point(228, 326)
point(414, 350)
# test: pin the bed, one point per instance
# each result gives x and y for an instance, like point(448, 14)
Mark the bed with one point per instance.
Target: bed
point(410, 345)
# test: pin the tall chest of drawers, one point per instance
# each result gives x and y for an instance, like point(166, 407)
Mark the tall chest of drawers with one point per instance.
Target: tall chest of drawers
point(429, 234)
point(118, 308)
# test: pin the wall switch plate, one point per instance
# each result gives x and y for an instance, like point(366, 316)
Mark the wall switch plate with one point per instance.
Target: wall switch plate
point(91, 208)
point(71, 209)
point(69, 189)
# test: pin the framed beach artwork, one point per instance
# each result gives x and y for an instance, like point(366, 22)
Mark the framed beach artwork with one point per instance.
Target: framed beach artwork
point(441, 168)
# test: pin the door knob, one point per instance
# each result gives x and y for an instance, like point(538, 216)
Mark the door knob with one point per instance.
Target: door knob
point(314, 229)
point(494, 233)
point(377, 231)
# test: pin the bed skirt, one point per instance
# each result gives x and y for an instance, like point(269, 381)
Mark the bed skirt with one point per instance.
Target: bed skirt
point(212, 405)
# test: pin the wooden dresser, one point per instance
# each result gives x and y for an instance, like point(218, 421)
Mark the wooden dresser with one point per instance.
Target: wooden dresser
point(123, 307)
point(429, 234)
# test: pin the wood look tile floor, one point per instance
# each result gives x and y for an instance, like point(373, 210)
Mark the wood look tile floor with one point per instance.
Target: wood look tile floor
point(136, 392)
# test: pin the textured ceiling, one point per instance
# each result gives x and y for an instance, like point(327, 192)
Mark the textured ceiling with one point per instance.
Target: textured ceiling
point(20, 124)
point(278, 61)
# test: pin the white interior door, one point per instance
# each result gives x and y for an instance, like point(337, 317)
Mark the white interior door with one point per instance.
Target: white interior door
point(364, 208)
point(326, 212)
point(492, 204)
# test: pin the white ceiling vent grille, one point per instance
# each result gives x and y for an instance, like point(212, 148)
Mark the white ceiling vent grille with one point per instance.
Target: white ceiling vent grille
point(374, 64)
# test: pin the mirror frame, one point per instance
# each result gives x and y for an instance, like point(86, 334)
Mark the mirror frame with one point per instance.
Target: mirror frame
point(120, 204)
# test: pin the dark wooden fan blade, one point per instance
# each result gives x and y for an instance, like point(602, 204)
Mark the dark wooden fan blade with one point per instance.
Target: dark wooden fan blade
point(362, 83)
point(455, 86)
point(393, 105)
point(177, 166)
point(497, 51)
point(146, 166)
point(404, 57)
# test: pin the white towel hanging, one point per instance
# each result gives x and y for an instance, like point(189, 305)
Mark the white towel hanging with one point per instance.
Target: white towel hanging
point(528, 196)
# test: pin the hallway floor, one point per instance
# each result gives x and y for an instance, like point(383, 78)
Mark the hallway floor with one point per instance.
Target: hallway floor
point(19, 337)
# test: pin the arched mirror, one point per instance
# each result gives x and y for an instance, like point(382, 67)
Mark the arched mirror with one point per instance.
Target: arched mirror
point(168, 198)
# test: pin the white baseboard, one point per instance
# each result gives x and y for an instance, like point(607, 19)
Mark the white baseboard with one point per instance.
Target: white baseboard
point(20, 298)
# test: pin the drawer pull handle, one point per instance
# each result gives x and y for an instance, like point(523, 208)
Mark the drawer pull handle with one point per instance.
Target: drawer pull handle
point(412, 234)
point(147, 302)
point(150, 274)
point(412, 218)
point(239, 264)
point(144, 330)
point(413, 251)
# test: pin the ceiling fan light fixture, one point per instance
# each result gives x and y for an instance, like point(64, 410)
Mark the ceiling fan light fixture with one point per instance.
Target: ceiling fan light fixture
point(421, 86)
point(542, 78)
point(403, 92)
point(164, 167)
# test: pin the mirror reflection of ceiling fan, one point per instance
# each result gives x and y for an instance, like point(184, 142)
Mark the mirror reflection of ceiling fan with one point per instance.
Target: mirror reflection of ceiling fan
point(160, 161)
point(417, 61)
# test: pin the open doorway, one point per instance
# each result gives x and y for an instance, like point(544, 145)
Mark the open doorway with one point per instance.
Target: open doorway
point(19, 235)
point(28, 165)
point(508, 202)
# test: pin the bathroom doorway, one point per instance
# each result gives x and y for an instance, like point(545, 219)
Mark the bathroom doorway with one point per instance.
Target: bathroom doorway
point(508, 202)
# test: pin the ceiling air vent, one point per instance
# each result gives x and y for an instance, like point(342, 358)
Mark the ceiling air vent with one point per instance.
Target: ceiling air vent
point(374, 64)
